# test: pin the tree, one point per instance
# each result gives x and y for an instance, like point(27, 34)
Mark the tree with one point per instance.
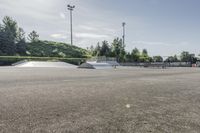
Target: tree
point(105, 49)
point(128, 57)
point(145, 57)
point(97, 50)
point(8, 35)
point(192, 58)
point(122, 54)
point(135, 55)
point(92, 50)
point(33, 36)
point(144, 52)
point(157, 59)
point(118, 49)
point(21, 42)
point(175, 58)
point(7, 46)
point(1, 39)
point(12, 38)
point(172, 59)
point(10, 27)
point(185, 56)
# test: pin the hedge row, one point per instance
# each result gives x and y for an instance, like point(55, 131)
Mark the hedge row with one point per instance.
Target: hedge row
point(9, 60)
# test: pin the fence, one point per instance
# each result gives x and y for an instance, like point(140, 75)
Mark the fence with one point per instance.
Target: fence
point(157, 64)
point(103, 59)
point(198, 64)
point(179, 64)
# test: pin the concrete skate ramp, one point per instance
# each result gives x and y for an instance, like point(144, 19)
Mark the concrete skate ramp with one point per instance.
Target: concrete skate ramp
point(45, 64)
point(95, 65)
point(112, 63)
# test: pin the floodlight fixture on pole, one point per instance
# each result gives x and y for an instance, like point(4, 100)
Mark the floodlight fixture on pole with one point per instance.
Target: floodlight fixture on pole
point(71, 8)
point(123, 37)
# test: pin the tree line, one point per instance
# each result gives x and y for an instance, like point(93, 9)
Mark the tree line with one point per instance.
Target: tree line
point(12, 38)
point(117, 49)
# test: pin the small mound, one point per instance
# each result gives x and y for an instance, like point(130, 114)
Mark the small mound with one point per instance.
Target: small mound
point(86, 65)
point(95, 65)
point(45, 64)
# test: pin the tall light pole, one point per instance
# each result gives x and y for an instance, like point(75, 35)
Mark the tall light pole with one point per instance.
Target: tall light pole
point(71, 8)
point(123, 36)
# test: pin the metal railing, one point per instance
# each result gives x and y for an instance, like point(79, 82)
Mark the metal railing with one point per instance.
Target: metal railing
point(103, 59)
point(157, 64)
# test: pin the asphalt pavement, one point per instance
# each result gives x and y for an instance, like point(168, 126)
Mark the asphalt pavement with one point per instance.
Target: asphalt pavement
point(122, 100)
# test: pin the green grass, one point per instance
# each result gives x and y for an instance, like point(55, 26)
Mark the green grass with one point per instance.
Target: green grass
point(55, 49)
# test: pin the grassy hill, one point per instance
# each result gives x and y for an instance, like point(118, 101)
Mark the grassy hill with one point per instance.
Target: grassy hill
point(49, 51)
point(55, 49)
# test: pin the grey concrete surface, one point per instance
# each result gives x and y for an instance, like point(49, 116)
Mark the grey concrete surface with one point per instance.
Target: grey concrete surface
point(42, 64)
point(96, 65)
point(125, 100)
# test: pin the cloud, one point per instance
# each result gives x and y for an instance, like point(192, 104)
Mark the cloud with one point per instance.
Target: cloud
point(62, 15)
point(89, 28)
point(58, 36)
point(151, 43)
point(49, 19)
point(37, 8)
point(90, 35)
point(184, 43)
point(94, 23)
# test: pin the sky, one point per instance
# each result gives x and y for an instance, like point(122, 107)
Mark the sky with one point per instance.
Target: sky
point(163, 27)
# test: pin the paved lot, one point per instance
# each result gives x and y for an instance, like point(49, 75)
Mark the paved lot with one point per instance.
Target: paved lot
point(125, 100)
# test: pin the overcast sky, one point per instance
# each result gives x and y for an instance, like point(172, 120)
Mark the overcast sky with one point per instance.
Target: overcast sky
point(164, 27)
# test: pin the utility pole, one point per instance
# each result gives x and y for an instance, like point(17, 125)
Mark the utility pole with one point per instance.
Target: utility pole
point(123, 37)
point(71, 8)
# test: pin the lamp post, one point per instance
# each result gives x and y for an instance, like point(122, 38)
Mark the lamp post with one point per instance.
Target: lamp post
point(123, 37)
point(71, 8)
